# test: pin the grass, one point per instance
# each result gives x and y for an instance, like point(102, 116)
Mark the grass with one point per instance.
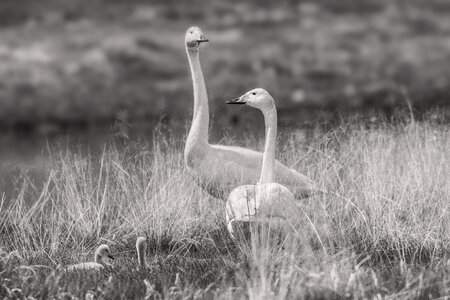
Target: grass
point(381, 231)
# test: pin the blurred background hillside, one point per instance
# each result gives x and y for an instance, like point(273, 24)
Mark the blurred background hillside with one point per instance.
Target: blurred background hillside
point(77, 64)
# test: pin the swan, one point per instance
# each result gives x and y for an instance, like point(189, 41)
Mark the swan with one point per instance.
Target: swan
point(266, 199)
point(141, 246)
point(218, 168)
point(98, 263)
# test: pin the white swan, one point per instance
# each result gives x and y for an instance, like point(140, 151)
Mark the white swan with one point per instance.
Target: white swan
point(141, 247)
point(266, 199)
point(98, 263)
point(218, 169)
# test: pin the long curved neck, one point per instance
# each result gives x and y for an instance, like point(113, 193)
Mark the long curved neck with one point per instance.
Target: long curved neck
point(270, 119)
point(200, 121)
point(141, 255)
point(98, 258)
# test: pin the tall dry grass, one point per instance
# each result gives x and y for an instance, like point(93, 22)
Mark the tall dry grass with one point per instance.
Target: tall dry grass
point(380, 230)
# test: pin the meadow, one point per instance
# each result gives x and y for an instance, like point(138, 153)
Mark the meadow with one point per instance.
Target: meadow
point(69, 68)
point(381, 230)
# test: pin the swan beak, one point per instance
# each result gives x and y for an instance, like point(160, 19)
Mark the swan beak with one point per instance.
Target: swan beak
point(202, 39)
point(239, 100)
point(110, 256)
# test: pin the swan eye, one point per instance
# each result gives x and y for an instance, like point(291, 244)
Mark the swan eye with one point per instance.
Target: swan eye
point(254, 94)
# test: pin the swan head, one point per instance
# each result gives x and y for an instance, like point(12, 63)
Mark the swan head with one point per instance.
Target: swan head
point(258, 98)
point(194, 37)
point(103, 251)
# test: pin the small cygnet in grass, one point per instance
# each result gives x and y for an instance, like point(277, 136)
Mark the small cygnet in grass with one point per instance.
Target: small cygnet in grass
point(141, 247)
point(98, 263)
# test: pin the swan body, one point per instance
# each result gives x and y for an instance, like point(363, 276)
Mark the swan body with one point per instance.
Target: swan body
point(141, 247)
point(222, 168)
point(267, 199)
point(86, 266)
point(218, 168)
point(98, 263)
point(259, 203)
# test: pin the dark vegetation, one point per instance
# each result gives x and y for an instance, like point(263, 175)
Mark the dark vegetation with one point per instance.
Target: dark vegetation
point(78, 64)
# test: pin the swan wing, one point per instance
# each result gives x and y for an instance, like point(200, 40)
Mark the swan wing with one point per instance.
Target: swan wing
point(241, 204)
point(226, 167)
point(275, 200)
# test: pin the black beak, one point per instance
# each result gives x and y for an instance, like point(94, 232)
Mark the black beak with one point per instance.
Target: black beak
point(236, 101)
point(110, 256)
point(202, 40)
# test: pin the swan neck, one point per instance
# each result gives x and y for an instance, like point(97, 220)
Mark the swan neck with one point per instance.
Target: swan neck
point(267, 169)
point(200, 121)
point(141, 256)
point(98, 258)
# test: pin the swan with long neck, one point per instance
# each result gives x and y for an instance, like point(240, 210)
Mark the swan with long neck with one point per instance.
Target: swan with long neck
point(266, 199)
point(218, 168)
point(98, 264)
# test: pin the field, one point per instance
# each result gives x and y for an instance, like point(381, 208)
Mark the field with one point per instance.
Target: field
point(362, 89)
point(382, 230)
